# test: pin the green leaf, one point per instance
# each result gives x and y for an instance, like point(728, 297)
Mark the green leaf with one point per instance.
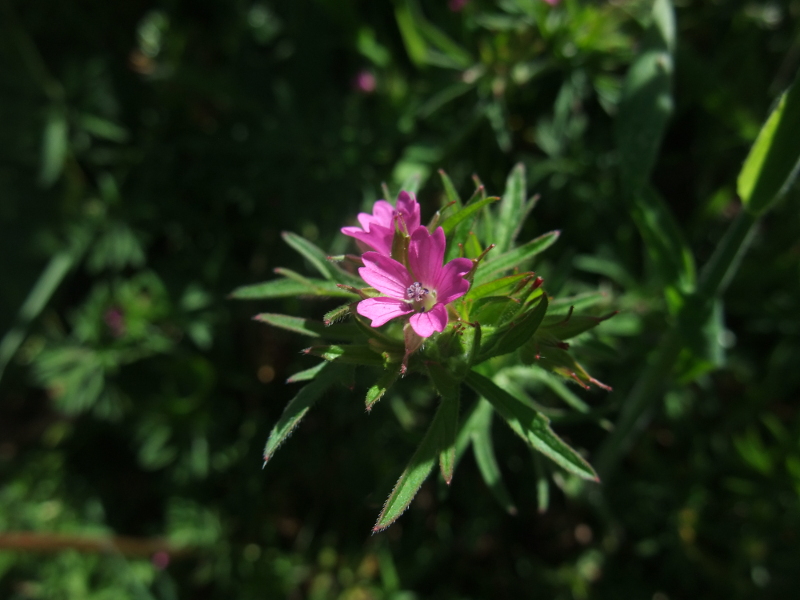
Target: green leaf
point(307, 374)
point(511, 336)
point(37, 299)
point(103, 128)
point(528, 375)
point(290, 287)
point(483, 449)
point(542, 350)
point(531, 426)
point(510, 210)
point(564, 327)
point(319, 260)
point(494, 310)
point(449, 389)
point(497, 287)
point(380, 387)
point(450, 192)
point(664, 240)
point(308, 327)
point(468, 211)
point(646, 102)
point(299, 405)
point(54, 147)
point(516, 258)
point(418, 469)
point(773, 160)
point(358, 354)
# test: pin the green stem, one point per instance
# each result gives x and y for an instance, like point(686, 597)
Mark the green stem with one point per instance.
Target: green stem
point(644, 395)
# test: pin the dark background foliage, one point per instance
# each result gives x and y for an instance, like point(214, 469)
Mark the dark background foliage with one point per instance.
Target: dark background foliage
point(152, 152)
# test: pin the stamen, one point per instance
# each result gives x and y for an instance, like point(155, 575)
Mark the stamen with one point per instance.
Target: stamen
point(416, 292)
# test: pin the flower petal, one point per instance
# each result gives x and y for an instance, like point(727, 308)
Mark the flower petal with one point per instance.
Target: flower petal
point(408, 206)
point(425, 255)
point(382, 214)
point(451, 283)
point(385, 274)
point(380, 310)
point(378, 238)
point(424, 324)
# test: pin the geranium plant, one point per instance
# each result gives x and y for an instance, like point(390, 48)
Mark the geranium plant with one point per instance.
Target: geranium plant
point(452, 300)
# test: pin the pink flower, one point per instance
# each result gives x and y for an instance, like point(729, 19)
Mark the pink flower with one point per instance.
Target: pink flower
point(377, 229)
point(423, 290)
point(365, 82)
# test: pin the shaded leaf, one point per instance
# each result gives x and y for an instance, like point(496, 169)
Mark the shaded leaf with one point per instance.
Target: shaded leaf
point(531, 426)
point(418, 469)
point(774, 158)
point(299, 406)
point(288, 288)
point(511, 209)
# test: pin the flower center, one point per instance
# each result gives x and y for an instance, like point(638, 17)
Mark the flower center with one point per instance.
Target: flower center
point(421, 297)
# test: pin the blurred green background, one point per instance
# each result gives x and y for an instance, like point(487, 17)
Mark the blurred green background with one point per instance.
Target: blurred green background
point(152, 152)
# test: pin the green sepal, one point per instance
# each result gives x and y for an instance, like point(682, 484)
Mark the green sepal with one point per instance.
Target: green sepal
point(337, 314)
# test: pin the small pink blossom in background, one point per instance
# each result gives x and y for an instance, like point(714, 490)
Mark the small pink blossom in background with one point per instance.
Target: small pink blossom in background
point(115, 321)
point(377, 229)
point(552, 2)
point(421, 291)
point(160, 560)
point(457, 5)
point(365, 82)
